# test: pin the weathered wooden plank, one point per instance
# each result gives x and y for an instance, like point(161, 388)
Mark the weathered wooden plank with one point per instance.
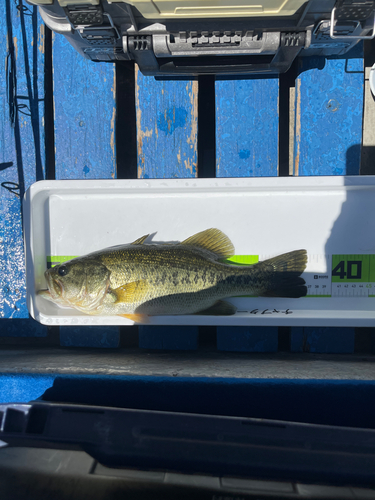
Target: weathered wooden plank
point(89, 336)
point(21, 151)
point(167, 126)
point(250, 339)
point(23, 387)
point(21, 327)
point(328, 137)
point(328, 116)
point(173, 338)
point(328, 340)
point(85, 114)
point(247, 126)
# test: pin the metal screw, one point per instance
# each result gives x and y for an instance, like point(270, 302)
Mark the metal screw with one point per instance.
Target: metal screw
point(333, 105)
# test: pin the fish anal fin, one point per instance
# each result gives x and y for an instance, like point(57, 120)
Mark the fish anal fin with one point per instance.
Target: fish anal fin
point(220, 308)
point(213, 240)
point(141, 240)
point(137, 318)
point(131, 292)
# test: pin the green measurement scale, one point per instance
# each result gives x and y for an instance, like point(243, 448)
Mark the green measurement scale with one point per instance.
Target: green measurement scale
point(353, 275)
point(345, 275)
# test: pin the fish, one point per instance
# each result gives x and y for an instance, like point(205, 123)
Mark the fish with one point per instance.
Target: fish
point(140, 279)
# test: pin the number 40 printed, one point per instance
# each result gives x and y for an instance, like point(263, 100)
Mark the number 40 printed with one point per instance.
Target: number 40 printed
point(348, 270)
point(353, 268)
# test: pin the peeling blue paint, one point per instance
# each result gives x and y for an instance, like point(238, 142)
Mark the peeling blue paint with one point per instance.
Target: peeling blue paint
point(171, 119)
point(329, 111)
point(244, 154)
point(247, 123)
point(167, 128)
point(84, 115)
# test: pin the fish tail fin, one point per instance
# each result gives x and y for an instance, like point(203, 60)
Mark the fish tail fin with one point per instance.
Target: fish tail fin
point(284, 278)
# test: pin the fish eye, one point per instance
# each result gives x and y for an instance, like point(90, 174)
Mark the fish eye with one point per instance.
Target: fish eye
point(63, 270)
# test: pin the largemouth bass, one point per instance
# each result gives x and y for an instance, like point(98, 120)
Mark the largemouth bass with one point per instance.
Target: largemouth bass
point(138, 280)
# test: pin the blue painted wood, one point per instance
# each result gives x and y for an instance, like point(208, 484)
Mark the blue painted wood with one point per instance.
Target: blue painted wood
point(247, 124)
point(18, 327)
point(89, 336)
point(174, 338)
point(21, 151)
point(85, 114)
point(167, 126)
point(328, 116)
point(247, 339)
point(318, 340)
point(328, 138)
point(167, 129)
point(22, 388)
point(247, 127)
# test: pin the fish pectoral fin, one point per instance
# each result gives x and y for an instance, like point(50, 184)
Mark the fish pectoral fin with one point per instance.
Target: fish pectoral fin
point(137, 318)
point(213, 240)
point(131, 292)
point(220, 308)
point(141, 240)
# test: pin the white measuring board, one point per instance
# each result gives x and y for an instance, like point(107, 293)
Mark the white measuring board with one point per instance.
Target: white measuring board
point(330, 217)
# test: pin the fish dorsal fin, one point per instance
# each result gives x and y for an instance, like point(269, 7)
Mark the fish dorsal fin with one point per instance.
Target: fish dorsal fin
point(131, 292)
point(140, 240)
point(213, 240)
